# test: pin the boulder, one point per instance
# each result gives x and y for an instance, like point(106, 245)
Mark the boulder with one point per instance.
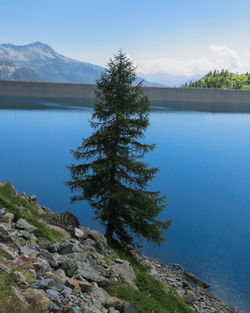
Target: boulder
point(70, 267)
point(33, 198)
point(123, 272)
point(37, 296)
point(91, 275)
point(43, 243)
point(68, 248)
point(54, 295)
point(26, 252)
point(79, 233)
point(49, 258)
point(2, 213)
point(192, 278)
point(23, 224)
point(54, 247)
point(24, 234)
point(100, 241)
point(113, 302)
point(40, 284)
point(188, 298)
point(60, 275)
point(7, 252)
point(7, 218)
point(128, 308)
point(5, 235)
point(56, 285)
point(53, 307)
point(82, 284)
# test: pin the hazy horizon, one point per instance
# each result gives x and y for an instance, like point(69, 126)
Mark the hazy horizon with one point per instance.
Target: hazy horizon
point(162, 38)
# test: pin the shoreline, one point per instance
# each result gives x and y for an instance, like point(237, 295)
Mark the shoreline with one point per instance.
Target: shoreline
point(189, 288)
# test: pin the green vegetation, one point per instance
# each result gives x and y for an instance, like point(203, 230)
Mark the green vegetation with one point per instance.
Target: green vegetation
point(112, 177)
point(22, 208)
point(9, 302)
point(151, 296)
point(222, 79)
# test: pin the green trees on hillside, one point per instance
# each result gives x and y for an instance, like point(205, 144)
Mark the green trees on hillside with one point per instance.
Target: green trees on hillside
point(222, 79)
point(110, 173)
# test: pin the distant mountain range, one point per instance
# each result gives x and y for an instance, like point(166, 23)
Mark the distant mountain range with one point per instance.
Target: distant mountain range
point(170, 80)
point(39, 62)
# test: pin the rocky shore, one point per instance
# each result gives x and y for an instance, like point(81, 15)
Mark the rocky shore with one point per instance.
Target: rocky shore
point(71, 274)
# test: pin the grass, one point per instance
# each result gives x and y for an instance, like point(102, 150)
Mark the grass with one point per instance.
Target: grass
point(9, 303)
point(9, 200)
point(151, 296)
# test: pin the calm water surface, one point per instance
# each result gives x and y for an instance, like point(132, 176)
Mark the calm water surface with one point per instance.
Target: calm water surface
point(204, 161)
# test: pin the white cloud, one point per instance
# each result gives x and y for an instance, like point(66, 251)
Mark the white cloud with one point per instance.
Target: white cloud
point(216, 57)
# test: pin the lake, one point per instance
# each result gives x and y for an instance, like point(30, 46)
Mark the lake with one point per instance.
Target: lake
point(204, 161)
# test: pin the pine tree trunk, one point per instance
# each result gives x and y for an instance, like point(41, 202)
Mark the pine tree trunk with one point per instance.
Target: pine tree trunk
point(109, 232)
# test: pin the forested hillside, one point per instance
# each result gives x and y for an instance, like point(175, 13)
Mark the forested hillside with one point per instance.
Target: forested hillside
point(222, 79)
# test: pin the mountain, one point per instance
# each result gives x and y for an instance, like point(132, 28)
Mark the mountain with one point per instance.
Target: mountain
point(52, 66)
point(12, 71)
point(170, 80)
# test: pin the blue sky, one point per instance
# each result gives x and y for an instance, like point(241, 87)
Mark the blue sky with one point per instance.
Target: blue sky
point(177, 37)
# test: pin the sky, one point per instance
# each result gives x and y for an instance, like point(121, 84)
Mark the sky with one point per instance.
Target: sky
point(178, 37)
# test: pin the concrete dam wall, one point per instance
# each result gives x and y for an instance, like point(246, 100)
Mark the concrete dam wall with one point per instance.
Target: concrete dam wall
point(215, 100)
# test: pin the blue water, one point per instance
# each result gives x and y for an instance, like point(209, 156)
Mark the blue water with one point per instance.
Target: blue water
point(204, 161)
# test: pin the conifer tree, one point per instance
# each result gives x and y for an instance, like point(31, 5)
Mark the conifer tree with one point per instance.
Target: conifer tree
point(110, 172)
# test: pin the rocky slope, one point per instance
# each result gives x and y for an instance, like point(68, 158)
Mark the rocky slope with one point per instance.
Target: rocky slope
point(11, 71)
point(50, 263)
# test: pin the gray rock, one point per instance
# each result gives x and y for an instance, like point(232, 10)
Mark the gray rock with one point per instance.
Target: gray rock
point(123, 272)
point(196, 280)
point(21, 241)
point(66, 248)
point(4, 235)
point(128, 308)
point(49, 258)
point(89, 243)
point(66, 291)
point(33, 198)
point(100, 240)
point(70, 267)
point(2, 212)
point(78, 310)
point(54, 247)
point(43, 243)
point(91, 275)
point(24, 234)
point(7, 217)
point(53, 307)
point(79, 233)
point(40, 284)
point(120, 261)
point(178, 267)
point(56, 285)
point(27, 251)
point(23, 224)
point(54, 296)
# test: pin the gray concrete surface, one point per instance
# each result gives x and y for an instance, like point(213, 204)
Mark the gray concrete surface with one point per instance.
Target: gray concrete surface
point(215, 100)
